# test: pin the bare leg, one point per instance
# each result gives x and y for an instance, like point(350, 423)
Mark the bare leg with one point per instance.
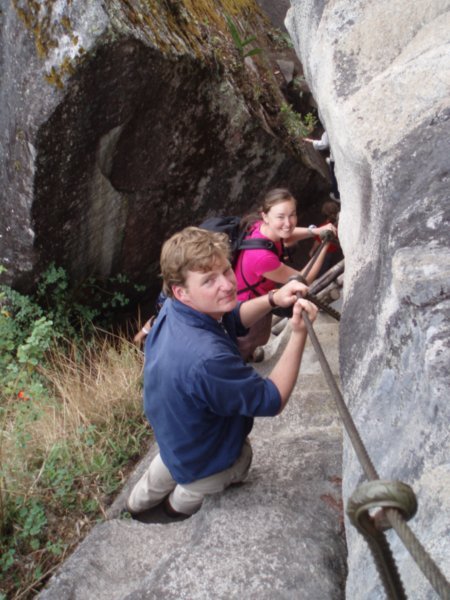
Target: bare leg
point(258, 335)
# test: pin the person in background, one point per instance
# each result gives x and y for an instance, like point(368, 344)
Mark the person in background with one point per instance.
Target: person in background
point(143, 332)
point(260, 271)
point(140, 336)
point(324, 144)
point(330, 209)
point(200, 396)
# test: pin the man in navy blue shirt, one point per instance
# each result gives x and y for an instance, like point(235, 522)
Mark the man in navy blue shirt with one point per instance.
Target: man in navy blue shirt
point(200, 396)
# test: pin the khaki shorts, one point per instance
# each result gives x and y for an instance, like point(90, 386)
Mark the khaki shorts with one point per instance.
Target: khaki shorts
point(157, 482)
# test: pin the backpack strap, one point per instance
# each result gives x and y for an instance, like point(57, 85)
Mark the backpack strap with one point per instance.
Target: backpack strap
point(258, 244)
point(250, 287)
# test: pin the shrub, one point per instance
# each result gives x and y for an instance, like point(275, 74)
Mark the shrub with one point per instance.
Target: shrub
point(296, 125)
point(70, 421)
point(63, 454)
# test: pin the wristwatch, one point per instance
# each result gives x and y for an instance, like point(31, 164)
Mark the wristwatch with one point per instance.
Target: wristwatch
point(270, 296)
point(311, 227)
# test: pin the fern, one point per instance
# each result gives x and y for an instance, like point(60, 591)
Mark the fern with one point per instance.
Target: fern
point(239, 42)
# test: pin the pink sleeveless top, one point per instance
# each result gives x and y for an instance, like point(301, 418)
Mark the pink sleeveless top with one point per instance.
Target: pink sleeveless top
point(251, 265)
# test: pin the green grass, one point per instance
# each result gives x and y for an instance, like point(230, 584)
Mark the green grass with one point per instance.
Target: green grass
point(64, 454)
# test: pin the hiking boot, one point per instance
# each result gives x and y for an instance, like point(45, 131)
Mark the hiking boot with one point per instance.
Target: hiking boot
point(170, 511)
point(258, 355)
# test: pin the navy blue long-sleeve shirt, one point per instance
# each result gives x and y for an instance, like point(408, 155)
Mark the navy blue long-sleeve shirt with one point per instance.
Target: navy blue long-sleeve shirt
point(200, 397)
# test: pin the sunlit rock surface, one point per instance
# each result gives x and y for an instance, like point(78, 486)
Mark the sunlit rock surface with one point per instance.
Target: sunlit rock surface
point(380, 73)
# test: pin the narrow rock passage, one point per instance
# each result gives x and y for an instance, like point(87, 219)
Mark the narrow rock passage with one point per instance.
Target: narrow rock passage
point(278, 535)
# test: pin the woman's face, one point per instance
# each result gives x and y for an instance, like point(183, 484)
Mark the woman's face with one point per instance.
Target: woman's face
point(281, 219)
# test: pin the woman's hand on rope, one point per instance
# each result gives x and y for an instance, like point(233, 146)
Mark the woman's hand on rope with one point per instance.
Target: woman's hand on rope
point(320, 231)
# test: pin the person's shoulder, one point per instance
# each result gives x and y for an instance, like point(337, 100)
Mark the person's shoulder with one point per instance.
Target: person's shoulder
point(257, 234)
point(255, 231)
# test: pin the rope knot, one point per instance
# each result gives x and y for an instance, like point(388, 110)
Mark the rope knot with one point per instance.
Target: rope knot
point(379, 494)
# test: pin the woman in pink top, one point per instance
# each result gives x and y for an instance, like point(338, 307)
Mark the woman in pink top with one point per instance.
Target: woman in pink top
point(259, 271)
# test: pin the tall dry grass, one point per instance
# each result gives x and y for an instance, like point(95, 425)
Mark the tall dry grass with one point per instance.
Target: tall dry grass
point(64, 452)
point(101, 387)
point(98, 386)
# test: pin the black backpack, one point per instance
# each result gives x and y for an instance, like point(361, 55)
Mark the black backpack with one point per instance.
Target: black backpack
point(232, 227)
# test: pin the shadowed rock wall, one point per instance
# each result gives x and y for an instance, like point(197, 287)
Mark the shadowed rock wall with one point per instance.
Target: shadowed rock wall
point(276, 11)
point(123, 122)
point(380, 74)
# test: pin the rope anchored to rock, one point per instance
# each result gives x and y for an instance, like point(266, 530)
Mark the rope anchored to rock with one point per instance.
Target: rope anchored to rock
point(326, 237)
point(396, 501)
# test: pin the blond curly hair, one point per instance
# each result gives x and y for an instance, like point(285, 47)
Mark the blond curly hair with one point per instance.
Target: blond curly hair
point(191, 249)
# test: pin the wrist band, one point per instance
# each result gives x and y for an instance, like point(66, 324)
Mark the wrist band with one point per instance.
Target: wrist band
point(270, 296)
point(145, 330)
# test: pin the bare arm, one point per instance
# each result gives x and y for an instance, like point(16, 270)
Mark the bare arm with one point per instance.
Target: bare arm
point(285, 373)
point(282, 273)
point(317, 265)
point(304, 233)
point(314, 247)
point(142, 333)
point(322, 144)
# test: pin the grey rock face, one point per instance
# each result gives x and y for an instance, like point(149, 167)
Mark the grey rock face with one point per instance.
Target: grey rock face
point(117, 130)
point(382, 82)
point(27, 99)
point(276, 11)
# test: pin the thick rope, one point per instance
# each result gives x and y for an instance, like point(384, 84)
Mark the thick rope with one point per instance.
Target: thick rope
point(386, 566)
point(418, 552)
point(324, 306)
point(324, 280)
point(315, 300)
point(302, 278)
point(376, 494)
point(350, 427)
point(378, 544)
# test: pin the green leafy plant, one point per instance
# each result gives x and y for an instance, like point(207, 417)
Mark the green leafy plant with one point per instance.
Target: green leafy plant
point(37, 343)
point(281, 39)
point(70, 419)
point(239, 42)
point(73, 309)
point(63, 451)
point(296, 125)
point(31, 324)
point(33, 521)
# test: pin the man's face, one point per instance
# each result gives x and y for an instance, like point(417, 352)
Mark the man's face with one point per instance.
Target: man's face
point(213, 292)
